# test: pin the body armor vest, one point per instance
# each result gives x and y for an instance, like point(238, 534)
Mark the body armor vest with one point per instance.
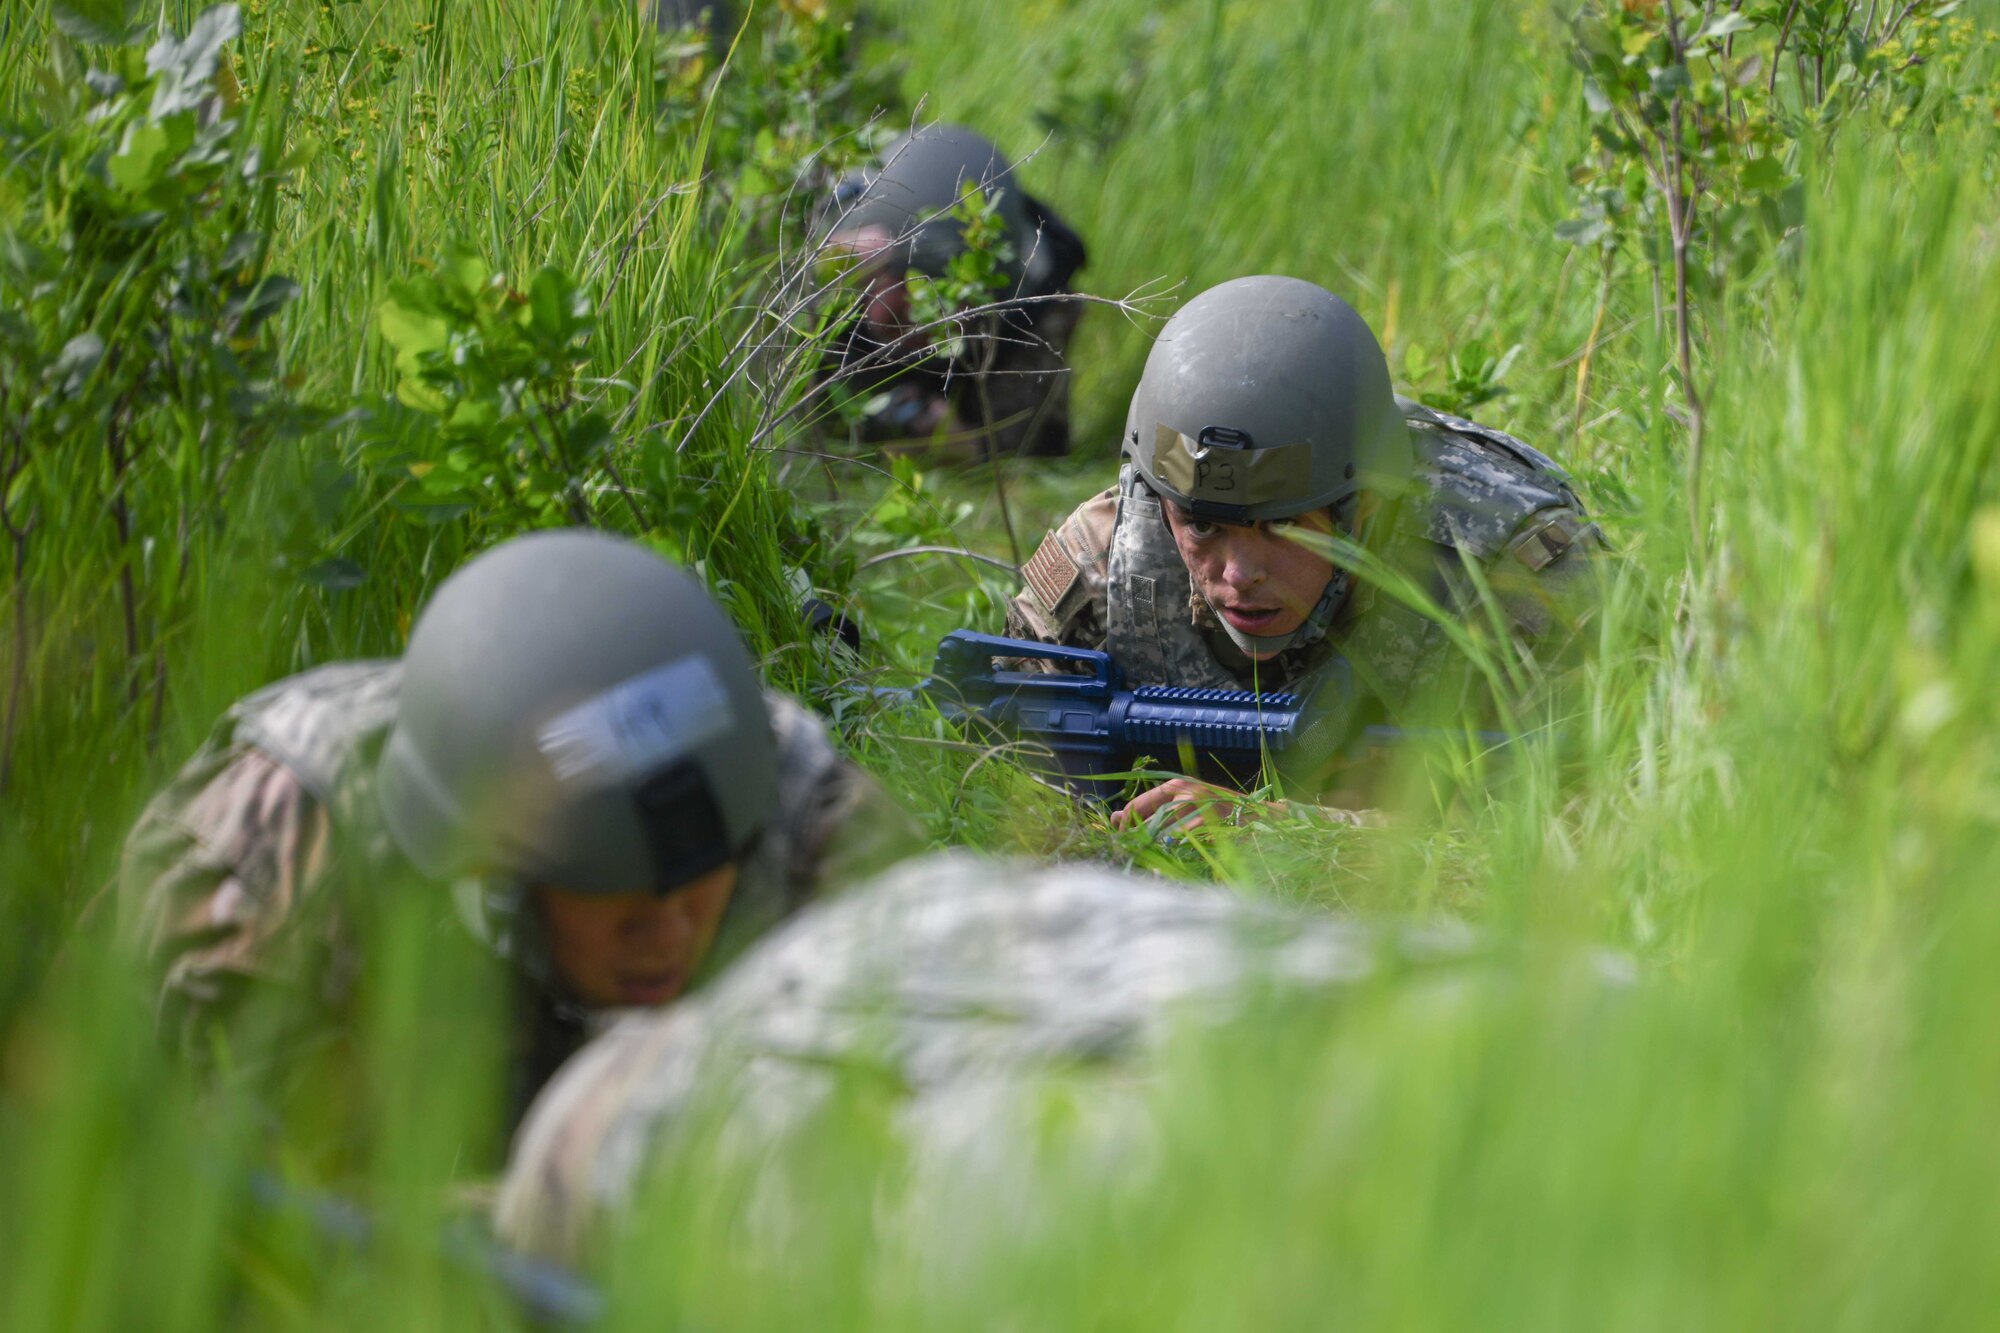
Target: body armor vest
point(1474, 491)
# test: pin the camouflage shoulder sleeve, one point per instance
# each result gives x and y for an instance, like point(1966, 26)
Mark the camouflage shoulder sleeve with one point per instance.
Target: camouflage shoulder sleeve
point(223, 860)
point(1496, 513)
point(846, 827)
point(214, 868)
point(1063, 594)
point(1544, 582)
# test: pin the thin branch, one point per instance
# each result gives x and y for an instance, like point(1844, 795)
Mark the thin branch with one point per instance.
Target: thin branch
point(1778, 51)
point(958, 551)
point(1584, 358)
point(1896, 24)
point(121, 516)
point(1680, 211)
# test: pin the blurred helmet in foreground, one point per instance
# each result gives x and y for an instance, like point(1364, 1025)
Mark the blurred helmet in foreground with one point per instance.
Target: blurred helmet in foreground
point(577, 711)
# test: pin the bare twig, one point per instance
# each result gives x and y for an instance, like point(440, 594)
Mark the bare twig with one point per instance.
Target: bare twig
point(1778, 51)
point(121, 517)
point(1590, 343)
point(993, 452)
point(960, 552)
point(1902, 17)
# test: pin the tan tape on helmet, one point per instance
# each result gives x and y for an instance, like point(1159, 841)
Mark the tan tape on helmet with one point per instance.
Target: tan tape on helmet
point(1275, 474)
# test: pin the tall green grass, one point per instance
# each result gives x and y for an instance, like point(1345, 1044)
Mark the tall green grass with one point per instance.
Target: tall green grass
point(533, 138)
point(1779, 791)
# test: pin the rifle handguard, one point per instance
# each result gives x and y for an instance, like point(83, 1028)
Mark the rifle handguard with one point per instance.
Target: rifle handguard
point(1211, 719)
point(1092, 725)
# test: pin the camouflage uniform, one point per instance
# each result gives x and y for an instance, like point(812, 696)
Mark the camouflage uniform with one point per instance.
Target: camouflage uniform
point(956, 981)
point(1009, 390)
point(224, 879)
point(1111, 578)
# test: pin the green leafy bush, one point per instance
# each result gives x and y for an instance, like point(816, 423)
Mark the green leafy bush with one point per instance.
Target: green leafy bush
point(1701, 117)
point(496, 370)
point(137, 369)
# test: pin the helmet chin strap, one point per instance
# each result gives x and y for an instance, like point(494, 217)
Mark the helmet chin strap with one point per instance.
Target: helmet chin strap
point(498, 913)
point(501, 916)
point(1310, 631)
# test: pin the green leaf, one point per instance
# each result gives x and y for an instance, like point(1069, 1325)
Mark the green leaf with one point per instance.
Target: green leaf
point(185, 68)
point(1763, 175)
point(444, 481)
point(411, 322)
point(1416, 363)
point(465, 272)
point(243, 249)
point(253, 306)
point(303, 155)
point(415, 393)
point(17, 490)
point(141, 160)
point(1583, 231)
point(1724, 25)
point(1792, 205)
point(589, 435)
point(1593, 35)
point(99, 22)
point(551, 306)
point(79, 358)
point(473, 416)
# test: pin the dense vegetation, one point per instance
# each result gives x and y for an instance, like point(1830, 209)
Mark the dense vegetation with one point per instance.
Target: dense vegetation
point(1737, 265)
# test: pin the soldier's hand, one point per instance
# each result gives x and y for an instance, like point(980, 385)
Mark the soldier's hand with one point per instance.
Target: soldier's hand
point(1186, 803)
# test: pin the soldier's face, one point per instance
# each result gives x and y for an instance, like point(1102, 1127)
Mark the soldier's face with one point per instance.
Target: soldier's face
point(620, 950)
point(865, 258)
point(1258, 577)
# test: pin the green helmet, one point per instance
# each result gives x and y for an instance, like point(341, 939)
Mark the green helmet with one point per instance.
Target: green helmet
point(1266, 398)
point(577, 711)
point(923, 176)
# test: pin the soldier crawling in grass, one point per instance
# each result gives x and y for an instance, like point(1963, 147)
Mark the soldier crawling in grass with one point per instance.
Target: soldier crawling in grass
point(1264, 434)
point(1006, 391)
point(576, 741)
point(954, 989)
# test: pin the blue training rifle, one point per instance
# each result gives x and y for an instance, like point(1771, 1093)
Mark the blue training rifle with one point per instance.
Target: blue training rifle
point(1096, 728)
point(1099, 731)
